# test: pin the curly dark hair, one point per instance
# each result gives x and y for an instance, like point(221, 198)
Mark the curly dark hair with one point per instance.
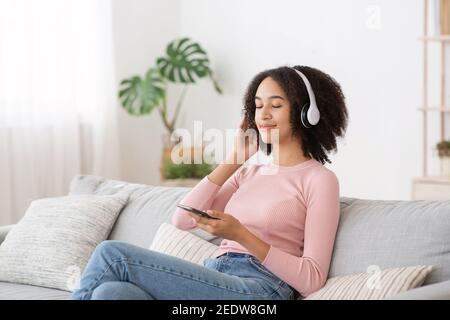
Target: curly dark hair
point(320, 139)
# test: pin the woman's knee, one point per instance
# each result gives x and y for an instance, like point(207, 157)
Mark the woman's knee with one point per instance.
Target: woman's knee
point(109, 245)
point(119, 290)
point(109, 248)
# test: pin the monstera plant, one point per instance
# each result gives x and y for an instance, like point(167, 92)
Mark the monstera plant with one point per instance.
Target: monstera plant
point(184, 63)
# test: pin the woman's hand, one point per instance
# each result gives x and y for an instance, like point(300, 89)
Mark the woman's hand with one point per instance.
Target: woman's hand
point(227, 227)
point(245, 143)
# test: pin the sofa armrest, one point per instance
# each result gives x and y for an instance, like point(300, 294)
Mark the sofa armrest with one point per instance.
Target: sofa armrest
point(4, 231)
point(436, 291)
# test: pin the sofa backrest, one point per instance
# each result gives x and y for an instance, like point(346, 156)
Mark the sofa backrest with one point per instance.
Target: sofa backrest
point(392, 233)
point(371, 234)
point(148, 207)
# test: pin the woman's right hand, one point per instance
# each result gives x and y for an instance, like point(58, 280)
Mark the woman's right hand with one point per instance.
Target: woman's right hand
point(245, 142)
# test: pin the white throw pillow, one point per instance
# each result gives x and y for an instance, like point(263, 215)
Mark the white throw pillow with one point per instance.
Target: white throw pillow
point(182, 244)
point(52, 243)
point(372, 286)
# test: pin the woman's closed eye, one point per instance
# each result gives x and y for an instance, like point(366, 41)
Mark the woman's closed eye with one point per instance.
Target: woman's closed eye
point(259, 107)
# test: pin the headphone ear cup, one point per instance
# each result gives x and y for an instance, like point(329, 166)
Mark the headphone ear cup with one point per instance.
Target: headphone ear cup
point(304, 116)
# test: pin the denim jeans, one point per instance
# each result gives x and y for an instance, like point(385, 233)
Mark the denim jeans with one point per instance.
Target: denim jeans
point(121, 271)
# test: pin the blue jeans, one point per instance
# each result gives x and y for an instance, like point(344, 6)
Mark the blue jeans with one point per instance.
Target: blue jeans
point(121, 271)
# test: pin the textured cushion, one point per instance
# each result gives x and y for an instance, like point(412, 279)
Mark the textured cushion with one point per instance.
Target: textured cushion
point(52, 243)
point(14, 291)
point(182, 244)
point(372, 286)
point(391, 234)
point(147, 209)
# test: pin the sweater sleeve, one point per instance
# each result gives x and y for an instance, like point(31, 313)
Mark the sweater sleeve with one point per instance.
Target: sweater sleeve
point(206, 195)
point(309, 272)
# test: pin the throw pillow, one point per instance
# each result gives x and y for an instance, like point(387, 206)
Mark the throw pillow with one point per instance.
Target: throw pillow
point(372, 286)
point(52, 243)
point(182, 244)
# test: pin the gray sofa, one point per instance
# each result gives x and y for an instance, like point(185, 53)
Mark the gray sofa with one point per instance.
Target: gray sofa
point(371, 232)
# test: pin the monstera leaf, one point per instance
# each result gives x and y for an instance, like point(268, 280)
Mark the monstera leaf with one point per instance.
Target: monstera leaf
point(185, 61)
point(141, 96)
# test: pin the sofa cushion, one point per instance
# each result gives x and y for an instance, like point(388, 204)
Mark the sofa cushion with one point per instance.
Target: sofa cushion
point(14, 291)
point(182, 244)
point(148, 207)
point(392, 233)
point(52, 243)
point(376, 285)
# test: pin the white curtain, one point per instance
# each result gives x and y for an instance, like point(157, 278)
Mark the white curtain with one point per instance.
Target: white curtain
point(57, 98)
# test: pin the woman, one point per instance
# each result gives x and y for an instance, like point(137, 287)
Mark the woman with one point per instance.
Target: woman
point(278, 220)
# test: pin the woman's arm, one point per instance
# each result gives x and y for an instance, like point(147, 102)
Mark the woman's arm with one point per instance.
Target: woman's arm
point(224, 171)
point(309, 272)
point(253, 244)
point(212, 192)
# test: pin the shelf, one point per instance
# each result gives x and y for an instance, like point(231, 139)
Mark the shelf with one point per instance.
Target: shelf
point(441, 109)
point(430, 188)
point(442, 38)
point(435, 179)
point(426, 186)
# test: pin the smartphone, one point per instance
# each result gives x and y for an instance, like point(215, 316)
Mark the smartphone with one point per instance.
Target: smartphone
point(196, 211)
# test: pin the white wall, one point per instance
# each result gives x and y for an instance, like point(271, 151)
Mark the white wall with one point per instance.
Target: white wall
point(377, 62)
point(142, 30)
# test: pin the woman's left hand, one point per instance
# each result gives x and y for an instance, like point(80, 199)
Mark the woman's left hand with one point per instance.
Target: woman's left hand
point(227, 227)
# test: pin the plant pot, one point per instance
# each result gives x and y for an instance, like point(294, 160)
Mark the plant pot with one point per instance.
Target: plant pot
point(168, 145)
point(445, 166)
point(184, 171)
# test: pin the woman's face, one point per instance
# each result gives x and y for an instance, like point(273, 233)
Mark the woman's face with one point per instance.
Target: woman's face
point(272, 112)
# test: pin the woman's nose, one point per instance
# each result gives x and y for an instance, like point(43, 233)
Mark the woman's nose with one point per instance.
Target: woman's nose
point(266, 113)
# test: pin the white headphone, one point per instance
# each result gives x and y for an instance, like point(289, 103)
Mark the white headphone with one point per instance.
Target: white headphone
point(310, 114)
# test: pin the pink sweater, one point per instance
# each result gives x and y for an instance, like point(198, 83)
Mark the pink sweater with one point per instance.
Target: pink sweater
point(296, 211)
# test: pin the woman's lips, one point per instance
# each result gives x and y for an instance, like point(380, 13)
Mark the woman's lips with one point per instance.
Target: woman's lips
point(267, 127)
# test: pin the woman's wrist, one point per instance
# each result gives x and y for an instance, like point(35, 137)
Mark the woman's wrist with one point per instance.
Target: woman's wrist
point(222, 173)
point(242, 235)
point(253, 244)
point(231, 158)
